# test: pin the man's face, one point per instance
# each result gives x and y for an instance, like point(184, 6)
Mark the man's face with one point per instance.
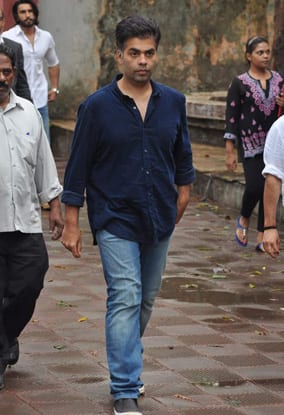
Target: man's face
point(26, 17)
point(7, 76)
point(138, 59)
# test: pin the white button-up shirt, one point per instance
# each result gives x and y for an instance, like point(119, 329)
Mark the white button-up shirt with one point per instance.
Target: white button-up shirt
point(34, 56)
point(274, 152)
point(28, 174)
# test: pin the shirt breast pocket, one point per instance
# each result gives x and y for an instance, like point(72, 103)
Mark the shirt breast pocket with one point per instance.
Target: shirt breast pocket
point(28, 149)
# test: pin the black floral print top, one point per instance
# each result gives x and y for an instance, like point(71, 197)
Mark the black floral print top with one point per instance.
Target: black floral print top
point(250, 112)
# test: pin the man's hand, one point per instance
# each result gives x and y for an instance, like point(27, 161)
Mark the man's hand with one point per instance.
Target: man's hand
point(182, 201)
point(272, 190)
point(271, 242)
point(71, 240)
point(71, 236)
point(56, 222)
point(52, 95)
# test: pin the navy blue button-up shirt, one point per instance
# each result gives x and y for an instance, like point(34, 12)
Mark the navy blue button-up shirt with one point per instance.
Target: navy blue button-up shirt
point(128, 167)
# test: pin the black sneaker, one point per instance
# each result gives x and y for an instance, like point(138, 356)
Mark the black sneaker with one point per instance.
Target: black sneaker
point(12, 355)
point(126, 406)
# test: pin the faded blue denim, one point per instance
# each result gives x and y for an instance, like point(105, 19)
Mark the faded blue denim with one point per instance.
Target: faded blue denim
point(133, 275)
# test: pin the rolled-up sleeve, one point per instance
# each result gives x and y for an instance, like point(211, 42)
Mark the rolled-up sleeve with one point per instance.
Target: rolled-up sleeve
point(47, 182)
point(79, 166)
point(185, 172)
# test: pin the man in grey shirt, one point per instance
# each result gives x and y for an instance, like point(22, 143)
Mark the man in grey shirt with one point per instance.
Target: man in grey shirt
point(28, 177)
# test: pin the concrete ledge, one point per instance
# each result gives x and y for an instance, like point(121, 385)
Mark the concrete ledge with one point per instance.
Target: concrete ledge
point(206, 117)
point(61, 132)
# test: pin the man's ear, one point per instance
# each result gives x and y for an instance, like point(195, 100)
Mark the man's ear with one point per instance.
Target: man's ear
point(119, 53)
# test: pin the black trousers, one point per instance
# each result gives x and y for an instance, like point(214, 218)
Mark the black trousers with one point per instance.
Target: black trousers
point(23, 265)
point(254, 189)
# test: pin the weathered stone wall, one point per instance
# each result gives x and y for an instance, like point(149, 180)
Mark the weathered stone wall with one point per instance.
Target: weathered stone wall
point(202, 44)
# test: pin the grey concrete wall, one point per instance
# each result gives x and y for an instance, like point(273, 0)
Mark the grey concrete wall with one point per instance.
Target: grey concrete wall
point(73, 24)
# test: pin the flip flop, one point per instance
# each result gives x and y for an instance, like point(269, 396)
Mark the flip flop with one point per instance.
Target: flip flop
point(244, 233)
point(260, 248)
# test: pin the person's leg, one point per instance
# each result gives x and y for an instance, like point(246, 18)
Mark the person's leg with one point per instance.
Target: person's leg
point(122, 271)
point(27, 265)
point(23, 264)
point(3, 281)
point(254, 185)
point(153, 262)
point(45, 118)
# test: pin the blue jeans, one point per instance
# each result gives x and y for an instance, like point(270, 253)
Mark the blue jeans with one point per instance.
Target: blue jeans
point(133, 274)
point(45, 118)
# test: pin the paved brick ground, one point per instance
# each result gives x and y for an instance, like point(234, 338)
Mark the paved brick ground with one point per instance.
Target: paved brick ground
point(214, 346)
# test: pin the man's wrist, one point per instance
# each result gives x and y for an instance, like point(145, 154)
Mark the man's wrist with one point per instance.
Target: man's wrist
point(56, 90)
point(266, 228)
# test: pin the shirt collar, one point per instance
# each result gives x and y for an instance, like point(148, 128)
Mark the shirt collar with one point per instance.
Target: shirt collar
point(19, 30)
point(156, 90)
point(15, 101)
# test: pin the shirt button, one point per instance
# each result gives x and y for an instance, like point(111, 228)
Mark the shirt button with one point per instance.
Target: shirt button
point(147, 172)
point(145, 150)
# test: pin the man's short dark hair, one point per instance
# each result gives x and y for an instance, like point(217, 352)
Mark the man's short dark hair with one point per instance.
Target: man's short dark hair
point(136, 26)
point(18, 3)
point(6, 50)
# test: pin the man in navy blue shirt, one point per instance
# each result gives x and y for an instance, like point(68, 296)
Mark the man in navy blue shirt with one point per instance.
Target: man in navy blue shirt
point(131, 154)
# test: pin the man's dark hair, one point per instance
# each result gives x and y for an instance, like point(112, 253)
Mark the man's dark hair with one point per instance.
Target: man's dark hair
point(6, 50)
point(17, 4)
point(136, 26)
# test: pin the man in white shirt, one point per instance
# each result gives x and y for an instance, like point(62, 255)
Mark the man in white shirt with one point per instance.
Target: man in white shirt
point(274, 179)
point(38, 46)
point(28, 177)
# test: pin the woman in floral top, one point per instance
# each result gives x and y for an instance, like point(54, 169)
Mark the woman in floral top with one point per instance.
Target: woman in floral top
point(253, 102)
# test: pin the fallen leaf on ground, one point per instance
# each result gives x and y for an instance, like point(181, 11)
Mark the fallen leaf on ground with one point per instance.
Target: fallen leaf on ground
point(260, 333)
point(61, 266)
point(63, 303)
point(186, 398)
point(186, 286)
point(219, 276)
point(227, 318)
point(59, 346)
point(81, 319)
